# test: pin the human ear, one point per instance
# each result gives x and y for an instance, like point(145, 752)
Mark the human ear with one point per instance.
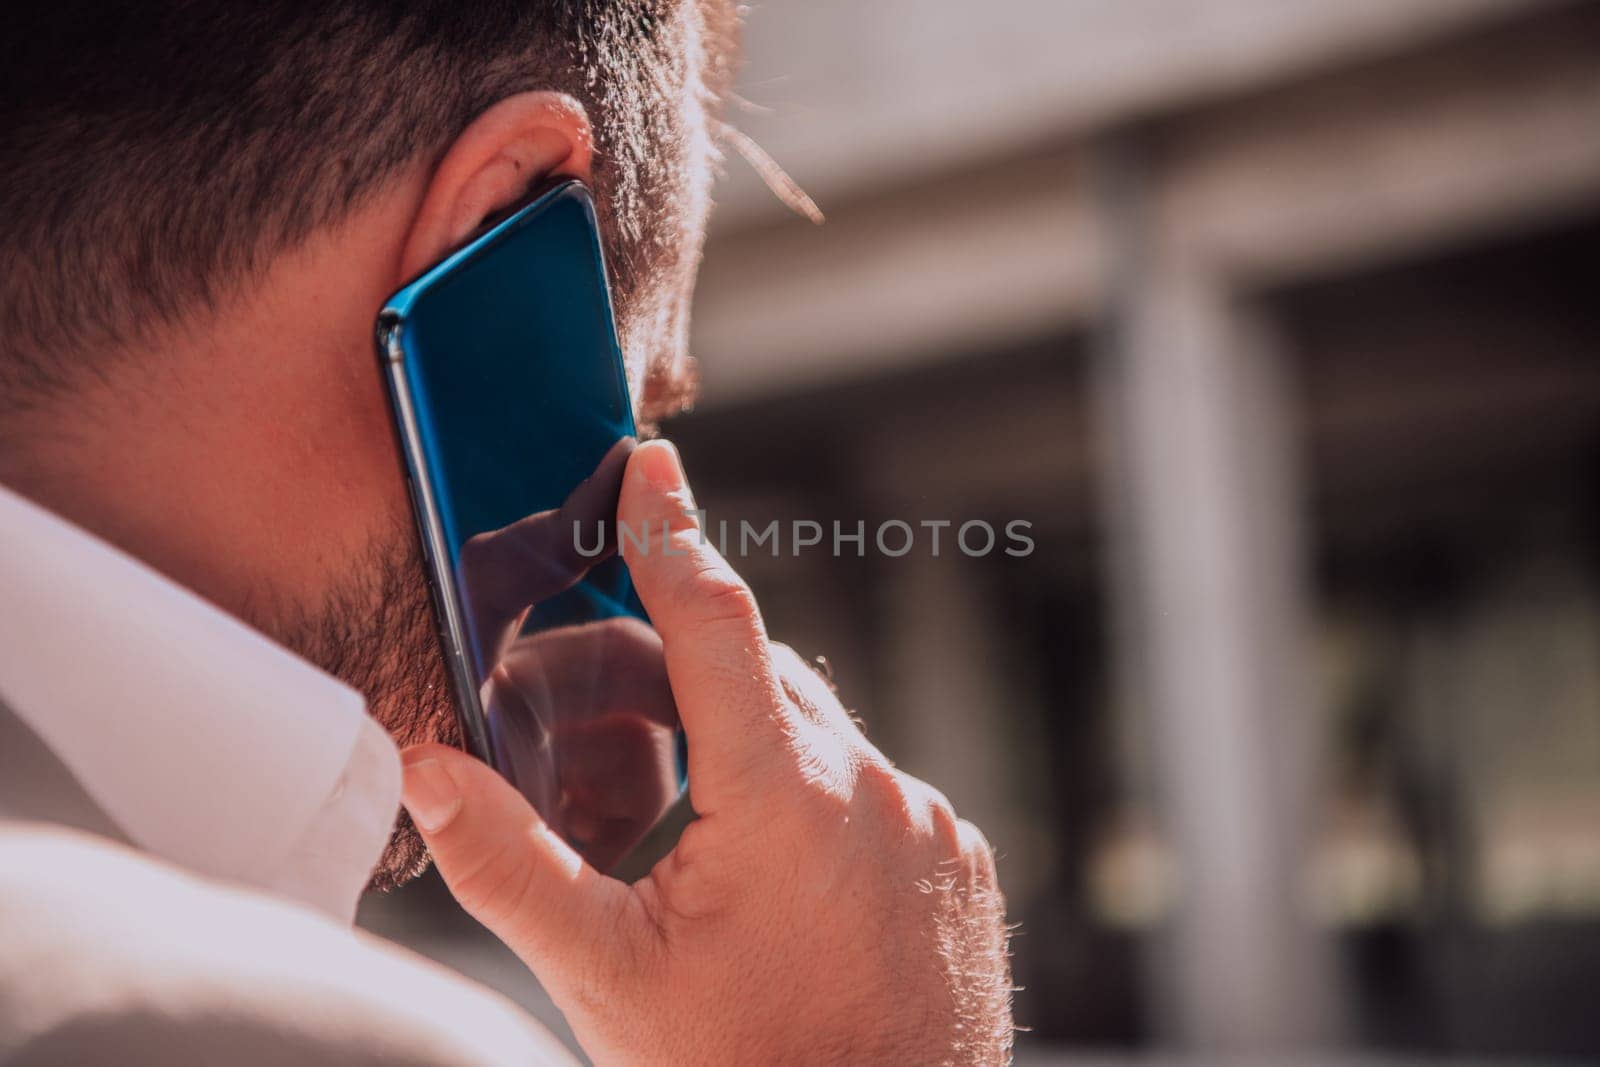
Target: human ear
point(521, 142)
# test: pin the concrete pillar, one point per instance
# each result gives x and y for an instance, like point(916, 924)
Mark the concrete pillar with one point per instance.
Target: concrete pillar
point(1205, 491)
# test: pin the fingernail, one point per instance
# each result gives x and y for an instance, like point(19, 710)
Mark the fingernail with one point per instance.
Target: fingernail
point(430, 795)
point(661, 466)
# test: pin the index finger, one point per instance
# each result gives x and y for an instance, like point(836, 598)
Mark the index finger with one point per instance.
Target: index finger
point(715, 644)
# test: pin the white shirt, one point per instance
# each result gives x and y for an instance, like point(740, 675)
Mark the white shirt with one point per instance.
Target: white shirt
point(206, 743)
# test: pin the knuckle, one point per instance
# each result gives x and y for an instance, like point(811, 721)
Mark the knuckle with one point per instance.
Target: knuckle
point(931, 815)
point(674, 505)
point(945, 827)
point(716, 594)
point(728, 602)
point(672, 532)
point(979, 854)
point(680, 518)
point(882, 792)
point(882, 782)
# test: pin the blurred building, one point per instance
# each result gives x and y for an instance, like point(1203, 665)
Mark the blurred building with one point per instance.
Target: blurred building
point(1274, 321)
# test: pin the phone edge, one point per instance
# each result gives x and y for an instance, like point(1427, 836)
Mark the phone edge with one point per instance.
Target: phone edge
point(449, 624)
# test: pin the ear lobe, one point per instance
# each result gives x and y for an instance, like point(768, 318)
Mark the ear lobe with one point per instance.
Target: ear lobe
point(521, 142)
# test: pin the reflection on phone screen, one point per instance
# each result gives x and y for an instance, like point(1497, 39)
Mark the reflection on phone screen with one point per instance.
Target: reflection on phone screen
point(575, 688)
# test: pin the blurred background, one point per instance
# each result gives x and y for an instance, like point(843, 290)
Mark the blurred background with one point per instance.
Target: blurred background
point(1275, 320)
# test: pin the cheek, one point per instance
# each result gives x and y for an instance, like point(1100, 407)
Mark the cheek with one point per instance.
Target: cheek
point(369, 469)
point(340, 478)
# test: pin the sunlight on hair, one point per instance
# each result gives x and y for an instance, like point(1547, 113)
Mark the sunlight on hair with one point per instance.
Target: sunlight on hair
point(776, 178)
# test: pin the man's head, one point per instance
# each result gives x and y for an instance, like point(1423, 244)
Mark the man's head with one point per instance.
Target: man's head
point(202, 206)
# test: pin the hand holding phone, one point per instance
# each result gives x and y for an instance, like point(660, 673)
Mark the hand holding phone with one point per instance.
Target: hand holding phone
point(824, 908)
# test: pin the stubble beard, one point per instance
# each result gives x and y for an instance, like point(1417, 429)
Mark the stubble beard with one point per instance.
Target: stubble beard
point(375, 631)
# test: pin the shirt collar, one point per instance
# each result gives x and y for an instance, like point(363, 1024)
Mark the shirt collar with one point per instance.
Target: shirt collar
point(208, 744)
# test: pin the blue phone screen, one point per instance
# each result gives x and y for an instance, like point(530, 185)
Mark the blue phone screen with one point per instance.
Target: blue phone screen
point(522, 414)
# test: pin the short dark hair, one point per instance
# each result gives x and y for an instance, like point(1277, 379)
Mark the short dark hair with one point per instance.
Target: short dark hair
point(153, 154)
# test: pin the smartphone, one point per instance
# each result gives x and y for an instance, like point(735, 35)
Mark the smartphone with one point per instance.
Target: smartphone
point(511, 401)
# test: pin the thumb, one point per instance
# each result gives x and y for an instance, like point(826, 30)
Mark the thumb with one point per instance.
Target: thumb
point(571, 925)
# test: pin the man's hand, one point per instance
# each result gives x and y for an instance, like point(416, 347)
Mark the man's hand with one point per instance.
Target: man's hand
point(823, 908)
